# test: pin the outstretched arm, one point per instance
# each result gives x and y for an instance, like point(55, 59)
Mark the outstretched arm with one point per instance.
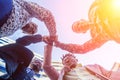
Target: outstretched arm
point(27, 40)
point(48, 68)
point(86, 47)
point(40, 13)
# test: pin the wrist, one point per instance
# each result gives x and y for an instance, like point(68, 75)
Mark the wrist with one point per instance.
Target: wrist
point(67, 69)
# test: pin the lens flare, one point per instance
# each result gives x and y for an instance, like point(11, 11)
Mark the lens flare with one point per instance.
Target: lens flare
point(116, 6)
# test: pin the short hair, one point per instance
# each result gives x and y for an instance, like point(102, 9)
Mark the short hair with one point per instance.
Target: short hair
point(36, 64)
point(68, 56)
point(30, 28)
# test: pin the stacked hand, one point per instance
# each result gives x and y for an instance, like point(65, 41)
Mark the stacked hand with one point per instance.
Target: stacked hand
point(49, 39)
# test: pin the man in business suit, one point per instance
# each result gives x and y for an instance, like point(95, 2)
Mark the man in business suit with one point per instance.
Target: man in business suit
point(16, 56)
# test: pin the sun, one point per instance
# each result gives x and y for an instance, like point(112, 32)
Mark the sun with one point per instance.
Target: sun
point(112, 8)
point(116, 5)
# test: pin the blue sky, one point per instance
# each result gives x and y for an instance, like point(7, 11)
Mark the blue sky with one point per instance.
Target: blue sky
point(66, 12)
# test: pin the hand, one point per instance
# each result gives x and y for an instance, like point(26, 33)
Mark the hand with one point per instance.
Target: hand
point(66, 69)
point(69, 60)
point(49, 39)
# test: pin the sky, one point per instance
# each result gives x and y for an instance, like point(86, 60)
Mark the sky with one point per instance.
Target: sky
point(66, 12)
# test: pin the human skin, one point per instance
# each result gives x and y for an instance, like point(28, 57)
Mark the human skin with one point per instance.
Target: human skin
point(69, 61)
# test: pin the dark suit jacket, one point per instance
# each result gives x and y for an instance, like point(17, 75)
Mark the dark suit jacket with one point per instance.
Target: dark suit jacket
point(16, 55)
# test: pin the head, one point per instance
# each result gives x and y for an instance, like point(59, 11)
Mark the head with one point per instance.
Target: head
point(30, 28)
point(69, 60)
point(80, 26)
point(36, 65)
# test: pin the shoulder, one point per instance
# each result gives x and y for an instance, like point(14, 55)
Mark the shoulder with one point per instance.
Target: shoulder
point(5, 9)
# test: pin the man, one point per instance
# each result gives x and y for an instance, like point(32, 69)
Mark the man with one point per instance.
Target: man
point(17, 57)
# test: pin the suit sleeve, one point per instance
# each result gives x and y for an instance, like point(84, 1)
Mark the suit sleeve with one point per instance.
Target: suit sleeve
point(27, 40)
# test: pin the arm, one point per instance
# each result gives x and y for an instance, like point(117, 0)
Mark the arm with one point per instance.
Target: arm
point(84, 48)
point(40, 13)
point(48, 68)
point(27, 40)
